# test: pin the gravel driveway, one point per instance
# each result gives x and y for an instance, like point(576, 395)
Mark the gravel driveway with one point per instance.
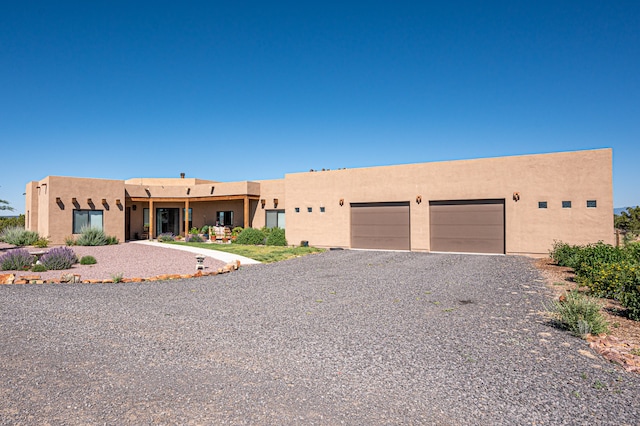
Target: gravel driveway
point(348, 337)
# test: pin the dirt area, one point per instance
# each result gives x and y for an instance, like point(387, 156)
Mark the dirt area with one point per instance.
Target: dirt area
point(624, 334)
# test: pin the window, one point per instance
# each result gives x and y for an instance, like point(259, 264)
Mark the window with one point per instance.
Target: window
point(321, 209)
point(86, 219)
point(224, 218)
point(297, 209)
point(309, 209)
point(542, 204)
point(275, 219)
point(566, 204)
point(591, 203)
point(145, 218)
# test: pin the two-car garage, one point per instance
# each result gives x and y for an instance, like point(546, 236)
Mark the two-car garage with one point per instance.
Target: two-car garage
point(465, 226)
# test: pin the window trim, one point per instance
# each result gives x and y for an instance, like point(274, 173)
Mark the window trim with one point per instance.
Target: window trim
point(89, 211)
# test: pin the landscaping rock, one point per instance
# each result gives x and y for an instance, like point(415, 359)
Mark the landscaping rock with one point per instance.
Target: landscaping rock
point(7, 278)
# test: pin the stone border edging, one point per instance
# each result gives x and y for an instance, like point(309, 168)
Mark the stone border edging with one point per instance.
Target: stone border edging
point(76, 278)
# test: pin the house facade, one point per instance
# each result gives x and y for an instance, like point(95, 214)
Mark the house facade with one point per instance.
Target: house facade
point(504, 205)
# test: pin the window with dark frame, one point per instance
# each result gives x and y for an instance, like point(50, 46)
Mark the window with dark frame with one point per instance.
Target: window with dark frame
point(542, 204)
point(321, 209)
point(566, 204)
point(297, 209)
point(275, 219)
point(87, 219)
point(309, 209)
point(224, 218)
point(591, 204)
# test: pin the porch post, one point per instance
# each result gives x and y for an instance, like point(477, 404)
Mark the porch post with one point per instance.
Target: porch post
point(246, 212)
point(186, 217)
point(151, 220)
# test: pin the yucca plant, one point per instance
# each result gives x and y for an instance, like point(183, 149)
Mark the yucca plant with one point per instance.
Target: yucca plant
point(18, 236)
point(92, 237)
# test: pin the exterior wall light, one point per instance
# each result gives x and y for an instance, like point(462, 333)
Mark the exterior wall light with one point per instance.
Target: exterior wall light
point(263, 202)
point(275, 202)
point(419, 199)
point(516, 196)
point(341, 202)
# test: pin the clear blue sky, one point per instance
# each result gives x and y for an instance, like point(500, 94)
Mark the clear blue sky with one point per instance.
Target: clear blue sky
point(242, 90)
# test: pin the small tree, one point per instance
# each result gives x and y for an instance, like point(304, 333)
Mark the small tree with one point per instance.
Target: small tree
point(4, 205)
point(628, 220)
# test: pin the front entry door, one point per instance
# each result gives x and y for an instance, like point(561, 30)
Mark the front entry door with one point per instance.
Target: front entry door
point(168, 221)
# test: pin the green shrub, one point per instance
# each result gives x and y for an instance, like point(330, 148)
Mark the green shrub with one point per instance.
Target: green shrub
point(91, 237)
point(580, 314)
point(236, 231)
point(16, 260)
point(18, 236)
point(276, 238)
point(88, 260)
point(112, 241)
point(41, 243)
point(194, 231)
point(59, 258)
point(251, 236)
point(39, 268)
point(204, 229)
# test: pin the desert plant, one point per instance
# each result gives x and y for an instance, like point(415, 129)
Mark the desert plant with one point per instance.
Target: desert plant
point(194, 231)
point(193, 238)
point(41, 243)
point(117, 278)
point(18, 236)
point(112, 241)
point(91, 237)
point(204, 229)
point(69, 240)
point(38, 267)
point(59, 258)
point(580, 314)
point(163, 238)
point(276, 237)
point(6, 222)
point(16, 260)
point(251, 236)
point(88, 260)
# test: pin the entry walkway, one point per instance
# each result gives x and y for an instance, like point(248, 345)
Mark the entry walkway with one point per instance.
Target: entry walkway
point(216, 254)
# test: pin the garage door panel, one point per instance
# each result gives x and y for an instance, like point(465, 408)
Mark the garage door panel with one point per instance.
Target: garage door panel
point(475, 226)
point(383, 226)
point(460, 231)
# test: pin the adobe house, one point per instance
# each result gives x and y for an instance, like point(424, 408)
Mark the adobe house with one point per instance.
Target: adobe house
point(504, 205)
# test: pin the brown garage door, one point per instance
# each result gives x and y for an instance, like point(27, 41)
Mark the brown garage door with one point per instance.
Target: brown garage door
point(383, 226)
point(467, 226)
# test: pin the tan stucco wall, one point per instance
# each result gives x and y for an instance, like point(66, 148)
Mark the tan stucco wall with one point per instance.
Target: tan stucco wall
point(572, 176)
point(269, 190)
point(575, 176)
point(55, 220)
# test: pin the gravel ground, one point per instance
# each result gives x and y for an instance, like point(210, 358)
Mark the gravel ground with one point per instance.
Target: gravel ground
point(129, 260)
point(343, 337)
